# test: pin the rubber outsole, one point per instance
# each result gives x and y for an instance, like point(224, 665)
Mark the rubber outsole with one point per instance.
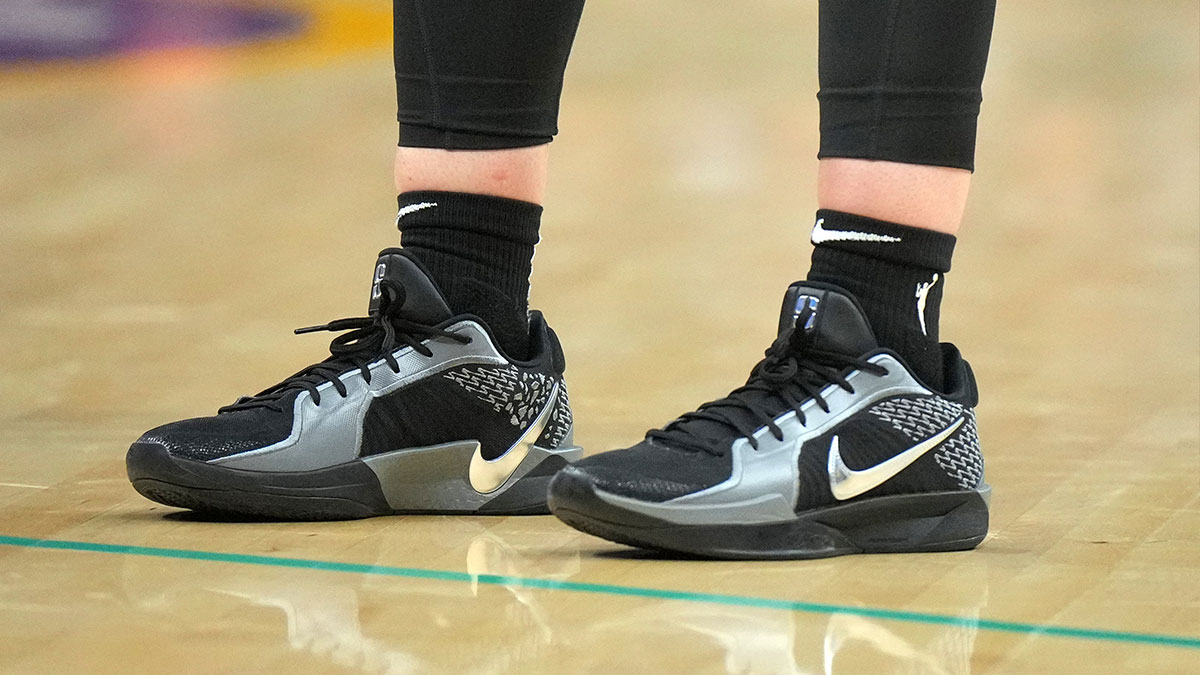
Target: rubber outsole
point(916, 523)
point(345, 492)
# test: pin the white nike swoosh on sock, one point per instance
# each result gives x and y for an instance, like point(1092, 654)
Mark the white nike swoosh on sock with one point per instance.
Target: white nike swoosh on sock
point(413, 208)
point(821, 235)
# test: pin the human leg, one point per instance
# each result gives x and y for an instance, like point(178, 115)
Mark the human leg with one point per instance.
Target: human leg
point(448, 397)
point(478, 85)
point(857, 431)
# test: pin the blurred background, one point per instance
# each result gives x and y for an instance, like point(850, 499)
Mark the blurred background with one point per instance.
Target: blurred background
point(183, 182)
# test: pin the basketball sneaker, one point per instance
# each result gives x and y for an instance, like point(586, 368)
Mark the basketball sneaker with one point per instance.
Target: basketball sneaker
point(415, 410)
point(833, 446)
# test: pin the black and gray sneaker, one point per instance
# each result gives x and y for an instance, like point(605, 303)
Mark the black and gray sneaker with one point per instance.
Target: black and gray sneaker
point(833, 446)
point(415, 411)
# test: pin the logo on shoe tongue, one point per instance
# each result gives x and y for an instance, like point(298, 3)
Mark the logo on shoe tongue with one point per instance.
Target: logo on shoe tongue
point(380, 271)
point(804, 314)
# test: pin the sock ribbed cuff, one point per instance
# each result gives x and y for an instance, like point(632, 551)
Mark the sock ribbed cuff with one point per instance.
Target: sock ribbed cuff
point(510, 220)
point(912, 246)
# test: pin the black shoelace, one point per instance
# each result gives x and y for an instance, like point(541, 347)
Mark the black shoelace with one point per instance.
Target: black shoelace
point(792, 372)
point(370, 338)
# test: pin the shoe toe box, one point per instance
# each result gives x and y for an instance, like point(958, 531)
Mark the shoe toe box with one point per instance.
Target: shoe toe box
point(207, 438)
point(651, 472)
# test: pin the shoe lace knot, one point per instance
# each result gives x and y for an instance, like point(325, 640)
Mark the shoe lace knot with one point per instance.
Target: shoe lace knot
point(370, 337)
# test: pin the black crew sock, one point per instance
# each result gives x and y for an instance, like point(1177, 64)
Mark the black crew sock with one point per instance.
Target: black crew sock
point(896, 272)
point(479, 251)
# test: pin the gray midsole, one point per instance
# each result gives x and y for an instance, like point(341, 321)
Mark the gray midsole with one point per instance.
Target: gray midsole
point(435, 477)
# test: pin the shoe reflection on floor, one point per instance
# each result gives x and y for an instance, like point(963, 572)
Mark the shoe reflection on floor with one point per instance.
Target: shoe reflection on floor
point(391, 625)
point(378, 624)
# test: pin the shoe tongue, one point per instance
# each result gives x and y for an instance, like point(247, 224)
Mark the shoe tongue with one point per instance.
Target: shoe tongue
point(423, 302)
point(833, 320)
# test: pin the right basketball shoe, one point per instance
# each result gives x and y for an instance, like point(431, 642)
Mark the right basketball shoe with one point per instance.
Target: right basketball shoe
point(833, 446)
point(416, 410)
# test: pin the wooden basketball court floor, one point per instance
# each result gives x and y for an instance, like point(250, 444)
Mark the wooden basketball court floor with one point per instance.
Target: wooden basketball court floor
point(169, 216)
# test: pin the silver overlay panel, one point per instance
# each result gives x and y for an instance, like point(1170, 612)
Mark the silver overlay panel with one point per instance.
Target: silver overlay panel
point(763, 484)
point(330, 435)
point(415, 478)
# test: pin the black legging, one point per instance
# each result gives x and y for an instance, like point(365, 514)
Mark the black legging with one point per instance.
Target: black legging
point(481, 74)
point(900, 79)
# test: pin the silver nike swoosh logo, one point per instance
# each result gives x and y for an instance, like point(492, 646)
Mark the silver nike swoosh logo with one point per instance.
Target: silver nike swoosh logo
point(820, 235)
point(846, 482)
point(413, 208)
point(487, 475)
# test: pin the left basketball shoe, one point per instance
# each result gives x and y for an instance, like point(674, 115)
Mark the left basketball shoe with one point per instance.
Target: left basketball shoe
point(833, 446)
point(415, 411)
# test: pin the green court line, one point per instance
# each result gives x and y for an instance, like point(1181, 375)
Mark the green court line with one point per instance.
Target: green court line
point(609, 589)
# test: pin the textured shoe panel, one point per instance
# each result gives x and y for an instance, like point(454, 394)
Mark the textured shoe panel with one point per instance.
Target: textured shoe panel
point(886, 429)
point(561, 423)
point(511, 392)
point(961, 457)
point(919, 418)
point(492, 404)
point(655, 473)
point(207, 438)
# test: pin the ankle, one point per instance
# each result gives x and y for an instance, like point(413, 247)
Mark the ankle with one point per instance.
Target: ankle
point(928, 197)
point(517, 173)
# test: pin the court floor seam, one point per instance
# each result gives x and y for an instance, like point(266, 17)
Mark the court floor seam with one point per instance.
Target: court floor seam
point(1017, 627)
